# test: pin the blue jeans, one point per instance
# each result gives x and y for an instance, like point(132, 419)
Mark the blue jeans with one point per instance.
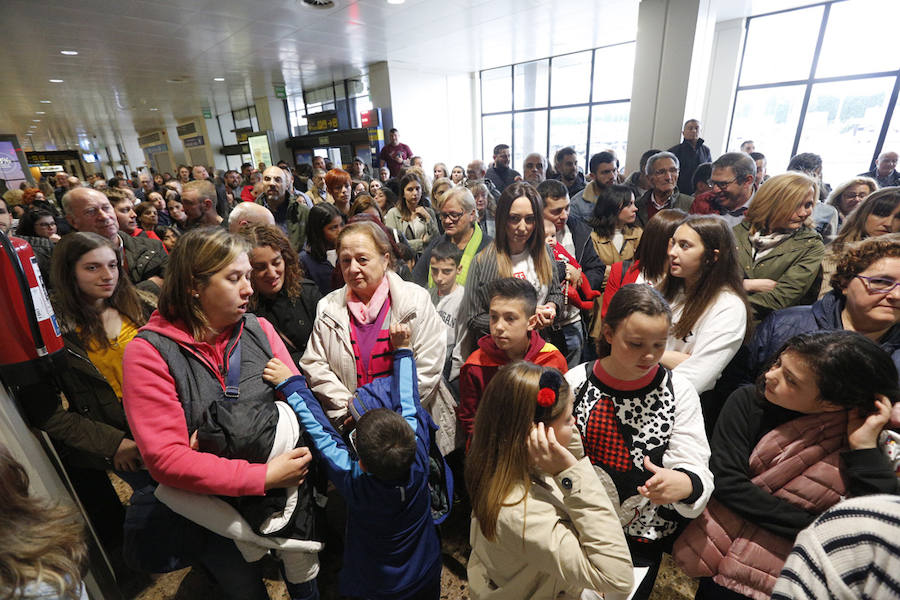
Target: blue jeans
point(573, 334)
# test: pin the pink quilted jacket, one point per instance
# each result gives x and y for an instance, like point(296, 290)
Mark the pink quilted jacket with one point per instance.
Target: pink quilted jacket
point(799, 461)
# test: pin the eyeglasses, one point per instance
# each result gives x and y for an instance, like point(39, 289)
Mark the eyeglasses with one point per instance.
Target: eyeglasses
point(453, 217)
point(879, 285)
point(671, 171)
point(516, 219)
point(721, 184)
point(851, 195)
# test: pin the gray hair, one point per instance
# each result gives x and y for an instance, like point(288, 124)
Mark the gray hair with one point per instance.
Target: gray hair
point(740, 162)
point(659, 156)
point(462, 195)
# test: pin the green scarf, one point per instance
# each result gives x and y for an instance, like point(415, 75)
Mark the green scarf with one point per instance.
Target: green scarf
point(468, 254)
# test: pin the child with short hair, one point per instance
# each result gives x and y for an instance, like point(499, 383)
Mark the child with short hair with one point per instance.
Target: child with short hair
point(513, 303)
point(391, 547)
point(581, 295)
point(542, 524)
point(447, 294)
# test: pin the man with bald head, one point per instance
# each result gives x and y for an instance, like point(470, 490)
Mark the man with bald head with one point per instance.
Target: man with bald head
point(87, 209)
point(289, 213)
point(885, 172)
point(249, 213)
point(534, 169)
point(476, 171)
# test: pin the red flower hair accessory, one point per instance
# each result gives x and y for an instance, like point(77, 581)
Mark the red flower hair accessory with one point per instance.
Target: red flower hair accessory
point(546, 397)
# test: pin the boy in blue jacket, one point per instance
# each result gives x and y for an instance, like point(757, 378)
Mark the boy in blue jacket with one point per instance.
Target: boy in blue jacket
point(392, 548)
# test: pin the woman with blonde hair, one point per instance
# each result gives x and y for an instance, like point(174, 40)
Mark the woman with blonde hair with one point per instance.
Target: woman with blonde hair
point(542, 523)
point(850, 194)
point(42, 548)
point(440, 187)
point(778, 249)
point(440, 170)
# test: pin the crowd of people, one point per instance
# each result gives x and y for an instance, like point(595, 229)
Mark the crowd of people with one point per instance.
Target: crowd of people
point(699, 358)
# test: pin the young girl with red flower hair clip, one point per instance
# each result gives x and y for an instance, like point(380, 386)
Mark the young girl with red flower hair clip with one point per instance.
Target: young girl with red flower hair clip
point(642, 428)
point(542, 524)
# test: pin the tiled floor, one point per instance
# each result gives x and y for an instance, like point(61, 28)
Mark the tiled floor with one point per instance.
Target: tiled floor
point(192, 584)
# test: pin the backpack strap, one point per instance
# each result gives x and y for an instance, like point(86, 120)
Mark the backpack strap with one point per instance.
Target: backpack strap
point(582, 389)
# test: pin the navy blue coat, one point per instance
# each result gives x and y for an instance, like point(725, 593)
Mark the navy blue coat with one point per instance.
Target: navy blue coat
point(823, 315)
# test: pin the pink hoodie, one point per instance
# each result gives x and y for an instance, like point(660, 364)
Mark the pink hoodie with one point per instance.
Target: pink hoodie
point(158, 423)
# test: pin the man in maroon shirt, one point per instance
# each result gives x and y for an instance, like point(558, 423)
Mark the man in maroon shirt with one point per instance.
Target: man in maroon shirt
point(395, 155)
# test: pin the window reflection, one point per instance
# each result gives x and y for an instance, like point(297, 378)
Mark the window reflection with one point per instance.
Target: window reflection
point(769, 117)
point(531, 81)
point(860, 37)
point(530, 130)
point(609, 128)
point(567, 128)
point(494, 130)
point(843, 122)
point(571, 79)
point(790, 59)
point(496, 90)
point(613, 73)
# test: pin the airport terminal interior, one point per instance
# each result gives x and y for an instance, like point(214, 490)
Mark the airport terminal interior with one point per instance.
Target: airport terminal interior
point(752, 143)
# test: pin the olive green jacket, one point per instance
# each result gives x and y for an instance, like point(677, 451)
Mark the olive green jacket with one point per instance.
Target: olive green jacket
point(796, 264)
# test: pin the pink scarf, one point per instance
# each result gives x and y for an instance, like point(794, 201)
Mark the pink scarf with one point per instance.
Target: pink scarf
point(367, 313)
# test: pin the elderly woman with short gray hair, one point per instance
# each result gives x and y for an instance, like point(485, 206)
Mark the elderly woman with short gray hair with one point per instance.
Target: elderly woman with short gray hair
point(459, 217)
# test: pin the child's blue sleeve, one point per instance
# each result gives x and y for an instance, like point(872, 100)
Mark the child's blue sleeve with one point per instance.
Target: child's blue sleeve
point(327, 441)
point(405, 386)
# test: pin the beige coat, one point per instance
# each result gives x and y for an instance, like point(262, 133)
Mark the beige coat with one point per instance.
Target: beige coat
point(554, 544)
point(330, 367)
point(609, 254)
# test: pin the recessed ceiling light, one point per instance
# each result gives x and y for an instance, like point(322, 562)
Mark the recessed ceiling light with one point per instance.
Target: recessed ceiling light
point(154, 109)
point(45, 102)
point(35, 120)
point(40, 112)
point(69, 52)
point(56, 81)
point(218, 79)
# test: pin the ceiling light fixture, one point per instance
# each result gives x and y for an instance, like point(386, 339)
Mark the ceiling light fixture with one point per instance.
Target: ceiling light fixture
point(69, 52)
point(40, 112)
point(45, 102)
point(35, 120)
point(396, 1)
point(154, 109)
point(218, 79)
point(56, 81)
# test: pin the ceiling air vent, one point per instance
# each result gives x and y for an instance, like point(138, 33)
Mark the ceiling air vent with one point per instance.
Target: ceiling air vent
point(319, 3)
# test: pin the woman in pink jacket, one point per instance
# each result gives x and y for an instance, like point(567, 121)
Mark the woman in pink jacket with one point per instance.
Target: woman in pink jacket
point(785, 451)
point(176, 370)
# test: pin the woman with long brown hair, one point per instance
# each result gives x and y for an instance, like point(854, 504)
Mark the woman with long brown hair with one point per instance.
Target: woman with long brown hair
point(542, 523)
point(709, 306)
point(281, 293)
point(518, 250)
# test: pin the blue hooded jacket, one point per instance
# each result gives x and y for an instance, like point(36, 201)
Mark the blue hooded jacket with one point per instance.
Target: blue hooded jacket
point(391, 548)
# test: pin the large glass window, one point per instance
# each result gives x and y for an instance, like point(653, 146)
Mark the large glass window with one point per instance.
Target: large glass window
point(824, 85)
point(579, 100)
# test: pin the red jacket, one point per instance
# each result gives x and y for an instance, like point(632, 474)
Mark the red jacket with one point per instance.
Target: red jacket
point(158, 423)
point(617, 279)
point(480, 367)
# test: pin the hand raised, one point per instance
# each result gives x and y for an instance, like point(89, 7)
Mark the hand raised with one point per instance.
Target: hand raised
point(546, 453)
point(127, 456)
point(401, 335)
point(863, 430)
point(666, 485)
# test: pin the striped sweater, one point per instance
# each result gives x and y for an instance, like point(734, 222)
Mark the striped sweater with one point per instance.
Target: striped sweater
point(850, 552)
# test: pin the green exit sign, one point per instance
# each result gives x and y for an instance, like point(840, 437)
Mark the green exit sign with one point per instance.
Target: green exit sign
point(279, 91)
point(207, 113)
